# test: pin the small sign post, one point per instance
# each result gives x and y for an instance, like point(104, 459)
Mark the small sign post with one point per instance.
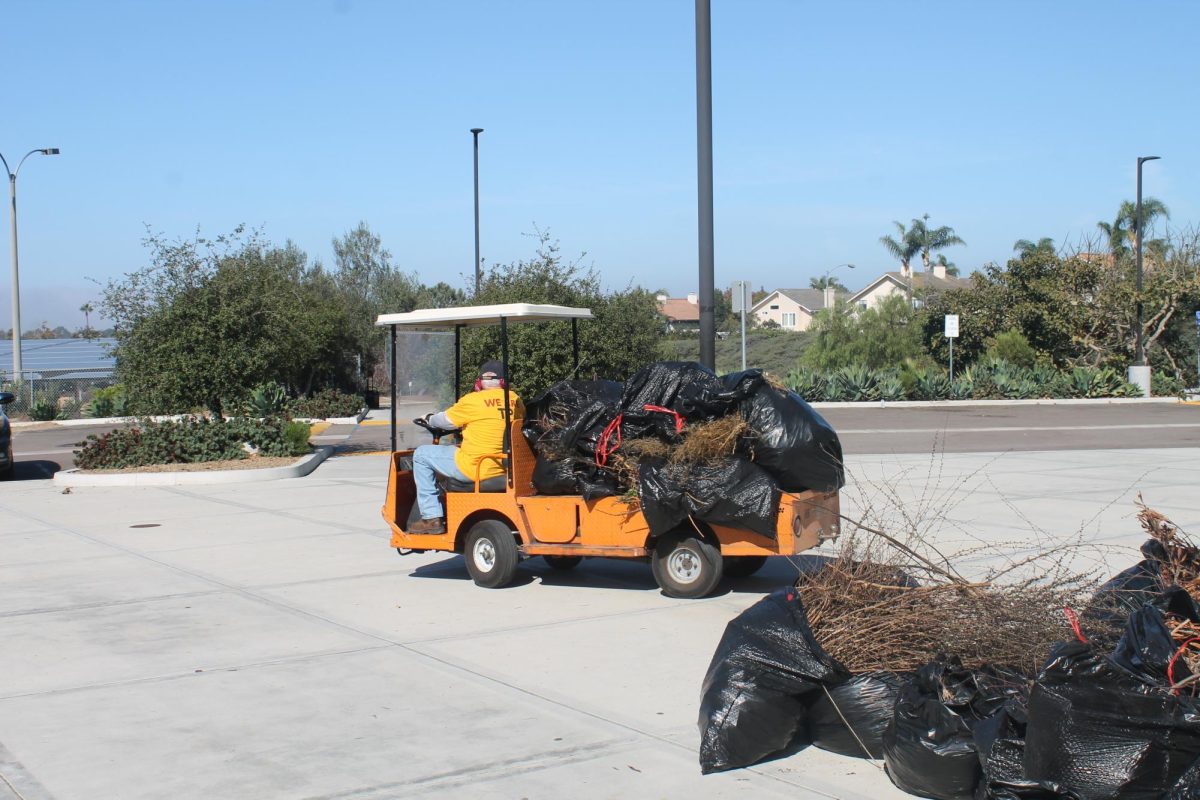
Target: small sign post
point(739, 291)
point(952, 334)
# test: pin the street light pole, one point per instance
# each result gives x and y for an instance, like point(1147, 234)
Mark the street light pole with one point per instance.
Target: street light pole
point(704, 181)
point(16, 284)
point(825, 284)
point(1139, 373)
point(478, 265)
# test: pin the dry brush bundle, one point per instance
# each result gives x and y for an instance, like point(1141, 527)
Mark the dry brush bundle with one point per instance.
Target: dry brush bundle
point(891, 600)
point(701, 443)
point(1181, 566)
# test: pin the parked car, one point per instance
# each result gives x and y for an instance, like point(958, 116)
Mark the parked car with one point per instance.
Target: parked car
point(6, 453)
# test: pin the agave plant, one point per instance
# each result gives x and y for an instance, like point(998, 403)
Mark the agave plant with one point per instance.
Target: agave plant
point(1080, 382)
point(266, 400)
point(930, 384)
point(807, 383)
point(858, 383)
point(1046, 378)
point(891, 387)
point(963, 387)
point(100, 407)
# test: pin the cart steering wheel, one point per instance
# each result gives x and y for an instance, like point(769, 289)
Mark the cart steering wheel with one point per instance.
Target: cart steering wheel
point(436, 433)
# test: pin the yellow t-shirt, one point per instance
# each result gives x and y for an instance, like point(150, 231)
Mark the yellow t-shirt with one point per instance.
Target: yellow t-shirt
point(481, 416)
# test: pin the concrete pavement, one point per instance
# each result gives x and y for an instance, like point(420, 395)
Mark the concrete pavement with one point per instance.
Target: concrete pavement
point(262, 641)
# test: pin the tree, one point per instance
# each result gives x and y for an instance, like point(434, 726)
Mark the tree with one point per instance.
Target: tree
point(621, 339)
point(902, 247)
point(87, 310)
point(950, 267)
point(208, 320)
point(1122, 234)
point(885, 336)
point(930, 240)
point(827, 282)
point(1025, 247)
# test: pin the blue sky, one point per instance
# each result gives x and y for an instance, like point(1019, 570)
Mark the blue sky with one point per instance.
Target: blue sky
point(1005, 120)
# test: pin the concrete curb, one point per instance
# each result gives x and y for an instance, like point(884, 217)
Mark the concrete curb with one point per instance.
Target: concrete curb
point(969, 403)
point(76, 477)
point(86, 421)
point(357, 418)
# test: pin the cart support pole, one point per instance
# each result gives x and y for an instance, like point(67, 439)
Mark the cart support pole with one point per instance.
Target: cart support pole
point(457, 358)
point(393, 387)
point(507, 416)
point(575, 345)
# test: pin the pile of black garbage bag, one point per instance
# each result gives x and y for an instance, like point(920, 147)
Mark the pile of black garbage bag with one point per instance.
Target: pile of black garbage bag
point(1099, 720)
point(576, 425)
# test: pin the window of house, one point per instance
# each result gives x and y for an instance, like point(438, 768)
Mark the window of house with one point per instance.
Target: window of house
point(788, 320)
point(774, 308)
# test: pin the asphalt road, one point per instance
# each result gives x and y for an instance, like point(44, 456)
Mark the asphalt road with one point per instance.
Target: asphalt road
point(959, 429)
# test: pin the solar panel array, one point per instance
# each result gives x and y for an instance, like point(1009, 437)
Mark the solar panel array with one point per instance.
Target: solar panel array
point(56, 356)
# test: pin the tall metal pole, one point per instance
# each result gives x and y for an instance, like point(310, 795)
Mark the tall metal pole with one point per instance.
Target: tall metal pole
point(742, 289)
point(16, 289)
point(478, 264)
point(708, 333)
point(1139, 356)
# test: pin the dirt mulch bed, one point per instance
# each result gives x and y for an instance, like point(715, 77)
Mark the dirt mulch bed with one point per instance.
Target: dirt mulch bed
point(253, 462)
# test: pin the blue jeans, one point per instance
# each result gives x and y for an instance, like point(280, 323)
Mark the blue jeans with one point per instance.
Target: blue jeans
point(429, 459)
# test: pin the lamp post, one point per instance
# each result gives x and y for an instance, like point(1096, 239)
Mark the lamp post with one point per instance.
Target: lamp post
point(828, 297)
point(478, 267)
point(16, 290)
point(1139, 373)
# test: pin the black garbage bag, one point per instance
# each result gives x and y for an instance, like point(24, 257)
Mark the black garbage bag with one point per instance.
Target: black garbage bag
point(1105, 732)
point(1188, 785)
point(555, 475)
point(850, 718)
point(791, 440)
point(725, 491)
point(1129, 590)
point(929, 747)
point(1000, 741)
point(752, 700)
point(682, 386)
point(1147, 647)
point(549, 413)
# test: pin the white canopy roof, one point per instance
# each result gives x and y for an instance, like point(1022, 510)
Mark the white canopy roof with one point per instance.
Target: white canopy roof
point(428, 318)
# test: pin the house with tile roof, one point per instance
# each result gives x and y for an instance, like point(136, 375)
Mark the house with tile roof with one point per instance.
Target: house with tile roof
point(794, 309)
point(682, 313)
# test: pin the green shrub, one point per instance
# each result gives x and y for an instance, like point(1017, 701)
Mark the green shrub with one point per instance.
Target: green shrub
point(891, 387)
point(108, 402)
point(325, 404)
point(807, 383)
point(296, 434)
point(857, 383)
point(183, 441)
point(43, 410)
point(1163, 385)
point(930, 384)
point(1011, 347)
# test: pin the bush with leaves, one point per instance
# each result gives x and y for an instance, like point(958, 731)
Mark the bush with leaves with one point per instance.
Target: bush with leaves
point(1011, 346)
point(185, 441)
point(878, 338)
point(43, 410)
point(107, 402)
point(267, 400)
point(325, 404)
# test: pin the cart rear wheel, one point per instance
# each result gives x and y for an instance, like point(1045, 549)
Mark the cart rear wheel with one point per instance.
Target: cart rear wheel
point(491, 554)
point(563, 563)
point(743, 566)
point(685, 566)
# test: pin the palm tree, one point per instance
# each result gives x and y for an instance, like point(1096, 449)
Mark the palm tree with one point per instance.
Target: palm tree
point(932, 239)
point(951, 267)
point(1025, 247)
point(1122, 233)
point(87, 310)
point(902, 248)
point(826, 282)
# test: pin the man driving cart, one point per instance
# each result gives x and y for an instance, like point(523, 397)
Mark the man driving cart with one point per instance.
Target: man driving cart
point(480, 417)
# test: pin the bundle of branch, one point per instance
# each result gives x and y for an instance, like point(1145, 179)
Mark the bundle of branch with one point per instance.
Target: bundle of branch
point(881, 603)
point(1181, 566)
point(701, 443)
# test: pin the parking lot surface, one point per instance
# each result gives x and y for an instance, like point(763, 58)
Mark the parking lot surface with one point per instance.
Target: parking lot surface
point(263, 641)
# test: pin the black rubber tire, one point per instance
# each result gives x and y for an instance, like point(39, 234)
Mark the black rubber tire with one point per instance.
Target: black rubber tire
point(743, 566)
point(562, 563)
point(491, 554)
point(686, 566)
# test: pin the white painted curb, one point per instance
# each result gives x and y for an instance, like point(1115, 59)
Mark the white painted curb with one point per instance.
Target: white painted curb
point(76, 477)
point(357, 418)
point(1086, 401)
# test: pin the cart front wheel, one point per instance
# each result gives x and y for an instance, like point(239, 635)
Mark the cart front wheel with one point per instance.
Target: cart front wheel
point(491, 554)
point(685, 566)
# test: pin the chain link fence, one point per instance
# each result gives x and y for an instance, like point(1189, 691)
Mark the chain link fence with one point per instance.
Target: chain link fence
point(51, 395)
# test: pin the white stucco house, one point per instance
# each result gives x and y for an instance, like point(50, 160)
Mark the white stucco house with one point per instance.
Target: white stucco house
point(922, 284)
point(793, 309)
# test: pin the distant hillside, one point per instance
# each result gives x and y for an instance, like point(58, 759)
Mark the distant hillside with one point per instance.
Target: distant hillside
point(772, 350)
